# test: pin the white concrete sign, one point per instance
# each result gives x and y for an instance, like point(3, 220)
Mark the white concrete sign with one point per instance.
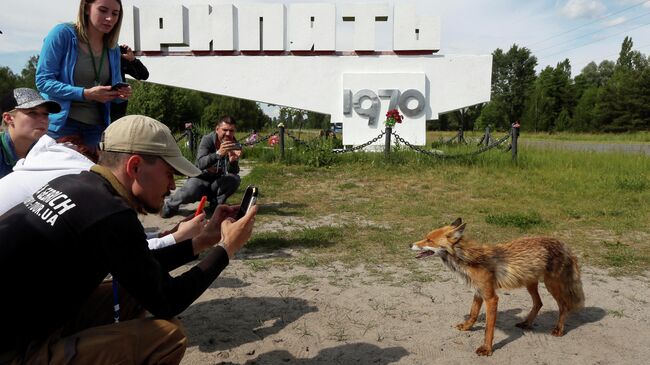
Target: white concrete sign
point(367, 97)
point(314, 56)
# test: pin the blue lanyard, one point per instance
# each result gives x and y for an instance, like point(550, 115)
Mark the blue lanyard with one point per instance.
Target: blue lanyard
point(116, 302)
point(9, 150)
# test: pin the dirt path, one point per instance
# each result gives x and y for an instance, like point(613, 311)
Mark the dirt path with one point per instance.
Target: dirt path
point(332, 315)
point(261, 314)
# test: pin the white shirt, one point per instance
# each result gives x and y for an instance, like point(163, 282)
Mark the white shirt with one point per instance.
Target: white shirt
point(46, 161)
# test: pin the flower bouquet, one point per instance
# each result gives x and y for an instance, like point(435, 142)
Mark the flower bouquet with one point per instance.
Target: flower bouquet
point(393, 117)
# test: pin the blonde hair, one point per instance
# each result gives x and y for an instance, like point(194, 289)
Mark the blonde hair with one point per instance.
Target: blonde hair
point(81, 25)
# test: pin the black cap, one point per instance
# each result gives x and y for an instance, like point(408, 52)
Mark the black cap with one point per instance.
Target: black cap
point(25, 98)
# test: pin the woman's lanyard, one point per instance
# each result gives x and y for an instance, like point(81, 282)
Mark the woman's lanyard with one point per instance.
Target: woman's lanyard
point(116, 303)
point(101, 63)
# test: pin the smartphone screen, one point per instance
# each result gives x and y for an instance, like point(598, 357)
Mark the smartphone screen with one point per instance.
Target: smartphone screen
point(249, 199)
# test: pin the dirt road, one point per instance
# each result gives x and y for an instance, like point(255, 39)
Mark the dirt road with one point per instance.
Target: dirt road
point(261, 314)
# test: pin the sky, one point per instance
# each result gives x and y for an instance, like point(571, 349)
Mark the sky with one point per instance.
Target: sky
point(580, 30)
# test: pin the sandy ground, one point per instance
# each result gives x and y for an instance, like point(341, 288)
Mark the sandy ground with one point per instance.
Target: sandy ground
point(372, 315)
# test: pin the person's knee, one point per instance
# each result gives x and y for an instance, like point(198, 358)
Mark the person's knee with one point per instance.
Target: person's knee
point(173, 341)
point(232, 182)
point(176, 332)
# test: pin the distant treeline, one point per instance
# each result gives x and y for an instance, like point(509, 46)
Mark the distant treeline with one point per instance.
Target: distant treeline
point(608, 97)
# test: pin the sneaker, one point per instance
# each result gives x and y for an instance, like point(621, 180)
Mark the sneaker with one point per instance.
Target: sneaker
point(167, 211)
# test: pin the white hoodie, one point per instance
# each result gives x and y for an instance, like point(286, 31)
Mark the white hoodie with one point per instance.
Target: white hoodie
point(46, 161)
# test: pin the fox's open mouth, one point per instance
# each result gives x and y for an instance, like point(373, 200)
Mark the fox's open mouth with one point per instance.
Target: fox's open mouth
point(424, 254)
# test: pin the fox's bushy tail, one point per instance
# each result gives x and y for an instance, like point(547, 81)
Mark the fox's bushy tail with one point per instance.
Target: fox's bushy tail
point(572, 292)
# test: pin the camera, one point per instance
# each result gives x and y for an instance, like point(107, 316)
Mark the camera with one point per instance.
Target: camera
point(237, 146)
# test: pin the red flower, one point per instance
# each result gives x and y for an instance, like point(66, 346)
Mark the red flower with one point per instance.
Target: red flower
point(393, 116)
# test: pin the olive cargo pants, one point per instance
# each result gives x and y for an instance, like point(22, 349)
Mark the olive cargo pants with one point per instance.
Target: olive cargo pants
point(93, 338)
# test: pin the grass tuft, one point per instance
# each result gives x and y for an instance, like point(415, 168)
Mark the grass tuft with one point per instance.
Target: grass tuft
point(523, 221)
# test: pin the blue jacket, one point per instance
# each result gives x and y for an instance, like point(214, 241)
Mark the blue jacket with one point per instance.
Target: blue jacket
point(55, 72)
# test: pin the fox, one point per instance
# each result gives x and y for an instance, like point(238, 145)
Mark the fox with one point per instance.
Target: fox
point(523, 262)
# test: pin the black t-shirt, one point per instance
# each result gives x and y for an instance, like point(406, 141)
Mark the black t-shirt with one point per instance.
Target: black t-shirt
point(58, 246)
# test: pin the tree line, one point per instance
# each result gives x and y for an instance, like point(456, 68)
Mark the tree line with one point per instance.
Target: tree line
point(613, 96)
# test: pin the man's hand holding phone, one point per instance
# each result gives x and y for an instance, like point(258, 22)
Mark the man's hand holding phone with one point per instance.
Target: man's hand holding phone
point(230, 225)
point(235, 233)
point(230, 148)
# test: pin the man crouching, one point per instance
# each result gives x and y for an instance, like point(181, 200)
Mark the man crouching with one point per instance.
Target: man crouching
point(59, 245)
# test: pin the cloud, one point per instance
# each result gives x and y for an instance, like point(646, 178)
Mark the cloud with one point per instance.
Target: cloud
point(583, 9)
point(615, 21)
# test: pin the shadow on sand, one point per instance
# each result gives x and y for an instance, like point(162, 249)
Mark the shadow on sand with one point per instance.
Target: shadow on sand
point(355, 353)
point(544, 323)
point(222, 324)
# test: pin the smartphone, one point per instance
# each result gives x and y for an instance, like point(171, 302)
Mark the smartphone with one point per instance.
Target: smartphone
point(119, 85)
point(249, 199)
point(237, 146)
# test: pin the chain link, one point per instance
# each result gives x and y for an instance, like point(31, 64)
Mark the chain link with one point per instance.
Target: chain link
point(361, 146)
point(443, 156)
point(340, 151)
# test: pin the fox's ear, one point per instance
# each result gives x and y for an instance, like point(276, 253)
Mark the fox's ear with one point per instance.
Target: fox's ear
point(454, 236)
point(457, 222)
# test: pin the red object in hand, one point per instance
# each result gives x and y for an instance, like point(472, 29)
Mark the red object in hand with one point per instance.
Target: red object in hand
point(201, 205)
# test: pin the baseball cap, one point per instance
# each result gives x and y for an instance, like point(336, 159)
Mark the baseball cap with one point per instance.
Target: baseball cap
point(26, 98)
point(143, 135)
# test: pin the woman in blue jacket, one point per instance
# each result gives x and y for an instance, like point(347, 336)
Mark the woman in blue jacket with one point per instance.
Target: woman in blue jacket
point(77, 66)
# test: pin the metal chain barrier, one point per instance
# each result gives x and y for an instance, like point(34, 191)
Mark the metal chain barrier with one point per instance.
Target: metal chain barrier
point(294, 138)
point(450, 140)
point(443, 156)
point(338, 151)
point(261, 139)
point(398, 138)
point(362, 146)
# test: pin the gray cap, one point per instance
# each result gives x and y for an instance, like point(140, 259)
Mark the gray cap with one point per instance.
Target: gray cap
point(141, 134)
point(25, 98)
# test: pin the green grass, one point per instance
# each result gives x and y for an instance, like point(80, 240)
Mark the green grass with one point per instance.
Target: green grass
point(301, 279)
point(382, 205)
point(523, 221)
point(634, 137)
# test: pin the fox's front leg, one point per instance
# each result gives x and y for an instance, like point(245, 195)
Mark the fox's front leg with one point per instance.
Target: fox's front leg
point(473, 313)
point(491, 303)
